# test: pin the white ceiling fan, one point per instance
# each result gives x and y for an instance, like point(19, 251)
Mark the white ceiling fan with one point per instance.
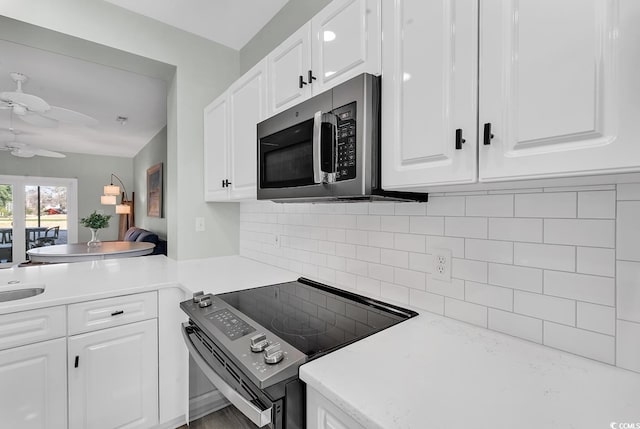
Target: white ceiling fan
point(24, 150)
point(36, 111)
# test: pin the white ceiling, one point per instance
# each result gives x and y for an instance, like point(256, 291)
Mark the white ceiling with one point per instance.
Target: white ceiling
point(229, 22)
point(93, 89)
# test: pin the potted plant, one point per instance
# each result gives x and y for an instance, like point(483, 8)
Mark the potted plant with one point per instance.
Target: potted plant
point(95, 221)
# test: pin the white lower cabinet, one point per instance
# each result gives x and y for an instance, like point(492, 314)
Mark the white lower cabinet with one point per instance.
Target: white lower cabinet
point(324, 414)
point(33, 386)
point(113, 377)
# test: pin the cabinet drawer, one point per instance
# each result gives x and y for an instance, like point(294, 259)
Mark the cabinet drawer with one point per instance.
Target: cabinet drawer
point(26, 327)
point(104, 313)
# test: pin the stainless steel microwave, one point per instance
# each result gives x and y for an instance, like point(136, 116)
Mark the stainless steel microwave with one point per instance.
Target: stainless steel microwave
point(326, 148)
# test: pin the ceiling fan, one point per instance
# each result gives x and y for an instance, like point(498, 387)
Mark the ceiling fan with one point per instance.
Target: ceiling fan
point(36, 111)
point(24, 150)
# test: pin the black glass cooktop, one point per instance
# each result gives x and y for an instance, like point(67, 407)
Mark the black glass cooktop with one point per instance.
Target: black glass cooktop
point(313, 317)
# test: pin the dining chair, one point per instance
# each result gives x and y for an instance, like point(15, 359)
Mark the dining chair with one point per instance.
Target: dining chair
point(49, 238)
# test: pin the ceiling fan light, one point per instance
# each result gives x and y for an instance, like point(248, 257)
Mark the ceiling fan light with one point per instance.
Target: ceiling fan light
point(123, 209)
point(108, 200)
point(111, 190)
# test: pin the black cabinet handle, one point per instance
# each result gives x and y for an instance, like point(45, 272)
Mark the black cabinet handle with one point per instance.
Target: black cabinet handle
point(459, 139)
point(75, 365)
point(487, 133)
point(116, 313)
point(225, 183)
point(301, 81)
point(311, 76)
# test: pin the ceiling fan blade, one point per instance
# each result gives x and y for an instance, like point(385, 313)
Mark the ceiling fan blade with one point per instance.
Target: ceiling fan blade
point(47, 153)
point(31, 102)
point(70, 116)
point(39, 121)
point(22, 153)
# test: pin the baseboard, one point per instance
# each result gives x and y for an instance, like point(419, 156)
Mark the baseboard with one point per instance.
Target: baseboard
point(173, 424)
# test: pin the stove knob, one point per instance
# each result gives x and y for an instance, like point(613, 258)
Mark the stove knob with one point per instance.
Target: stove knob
point(259, 343)
point(273, 354)
point(197, 296)
point(205, 302)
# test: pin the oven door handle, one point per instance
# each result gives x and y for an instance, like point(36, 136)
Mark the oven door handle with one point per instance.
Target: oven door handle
point(317, 147)
point(259, 417)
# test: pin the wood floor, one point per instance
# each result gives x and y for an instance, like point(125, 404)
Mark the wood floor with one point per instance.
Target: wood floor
point(226, 418)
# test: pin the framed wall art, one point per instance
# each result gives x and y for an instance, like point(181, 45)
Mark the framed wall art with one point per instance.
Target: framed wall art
point(154, 191)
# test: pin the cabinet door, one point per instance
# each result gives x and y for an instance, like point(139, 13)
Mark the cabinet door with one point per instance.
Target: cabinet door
point(346, 42)
point(215, 149)
point(324, 414)
point(286, 64)
point(115, 383)
point(247, 106)
point(33, 386)
point(559, 86)
point(429, 89)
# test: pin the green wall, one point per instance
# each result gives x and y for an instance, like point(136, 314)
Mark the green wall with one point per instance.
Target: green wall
point(153, 153)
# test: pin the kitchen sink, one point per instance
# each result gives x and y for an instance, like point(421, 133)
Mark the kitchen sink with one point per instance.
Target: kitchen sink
point(12, 295)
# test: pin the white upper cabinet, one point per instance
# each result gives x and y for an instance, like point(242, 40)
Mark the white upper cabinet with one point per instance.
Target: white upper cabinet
point(215, 149)
point(429, 87)
point(340, 42)
point(559, 87)
point(346, 42)
point(248, 106)
point(288, 68)
point(230, 137)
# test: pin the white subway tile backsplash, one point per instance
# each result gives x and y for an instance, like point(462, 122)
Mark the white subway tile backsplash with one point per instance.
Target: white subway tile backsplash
point(545, 307)
point(628, 286)
point(597, 261)
point(580, 232)
point(446, 206)
point(468, 269)
point(489, 250)
point(524, 262)
point(545, 256)
point(552, 205)
point(426, 225)
point(594, 289)
point(516, 325)
point(471, 227)
point(411, 209)
point(584, 343)
point(396, 258)
point(521, 278)
point(454, 244)
point(597, 205)
point(487, 295)
point(394, 223)
point(598, 318)
point(628, 191)
point(466, 312)
point(628, 231)
point(516, 229)
point(421, 262)
point(453, 289)
point(410, 242)
point(409, 278)
point(427, 301)
point(369, 254)
point(628, 346)
point(490, 205)
point(394, 292)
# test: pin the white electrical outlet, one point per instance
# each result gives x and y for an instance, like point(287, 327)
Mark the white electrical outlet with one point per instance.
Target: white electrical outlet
point(199, 224)
point(441, 264)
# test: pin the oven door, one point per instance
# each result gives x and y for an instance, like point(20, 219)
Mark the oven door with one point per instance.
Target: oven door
point(250, 402)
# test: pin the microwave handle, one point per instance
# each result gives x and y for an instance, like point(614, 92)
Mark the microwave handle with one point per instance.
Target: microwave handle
point(317, 147)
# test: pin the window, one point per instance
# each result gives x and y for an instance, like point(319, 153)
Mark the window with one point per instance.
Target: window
point(35, 212)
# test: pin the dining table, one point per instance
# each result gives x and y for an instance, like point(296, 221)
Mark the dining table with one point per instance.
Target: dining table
point(77, 252)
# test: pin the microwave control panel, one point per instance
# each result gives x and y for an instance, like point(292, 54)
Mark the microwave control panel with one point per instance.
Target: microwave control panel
point(346, 168)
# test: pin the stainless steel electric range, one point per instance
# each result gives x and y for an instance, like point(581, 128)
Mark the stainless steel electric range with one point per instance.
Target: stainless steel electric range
point(249, 344)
